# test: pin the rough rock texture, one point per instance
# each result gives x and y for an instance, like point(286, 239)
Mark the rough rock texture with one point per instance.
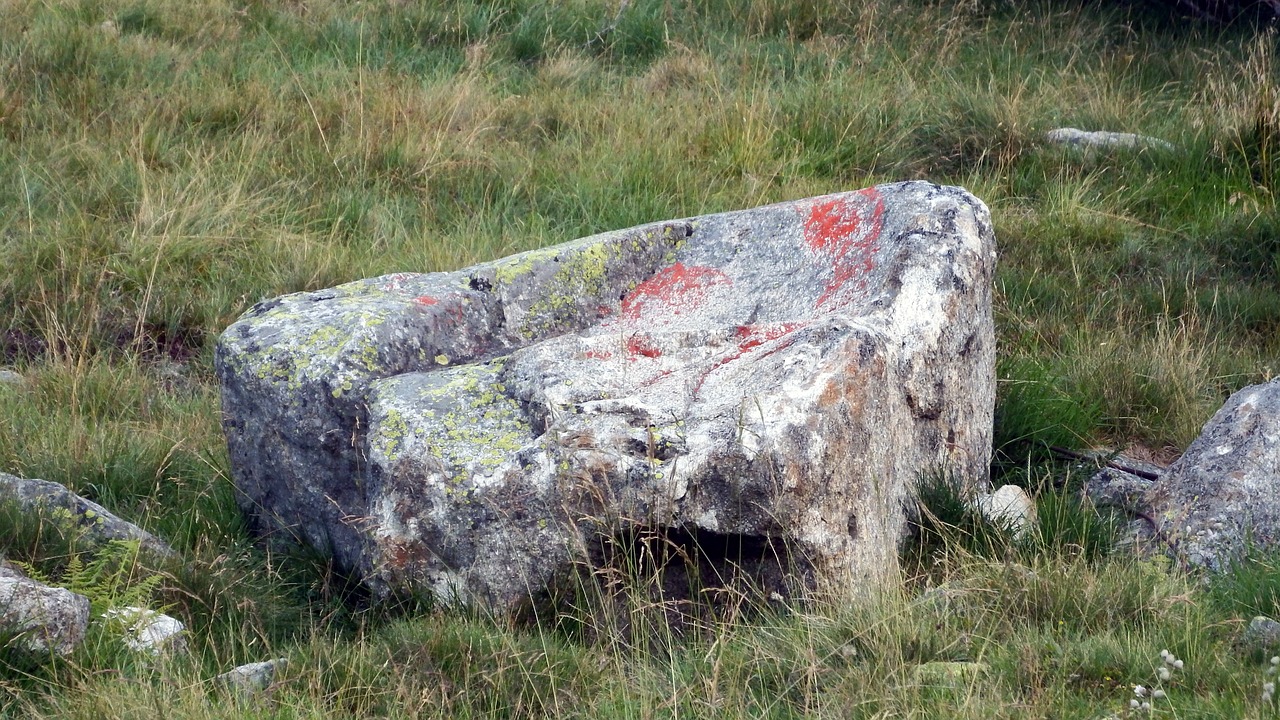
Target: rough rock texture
point(72, 513)
point(253, 677)
point(1073, 137)
point(9, 377)
point(1223, 494)
point(147, 630)
point(1261, 635)
point(1110, 487)
point(772, 379)
point(39, 618)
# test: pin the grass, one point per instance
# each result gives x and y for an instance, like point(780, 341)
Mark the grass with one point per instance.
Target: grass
point(164, 165)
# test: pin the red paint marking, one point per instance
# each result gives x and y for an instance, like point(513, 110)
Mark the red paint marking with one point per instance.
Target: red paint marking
point(846, 231)
point(639, 344)
point(425, 300)
point(599, 354)
point(751, 337)
point(672, 289)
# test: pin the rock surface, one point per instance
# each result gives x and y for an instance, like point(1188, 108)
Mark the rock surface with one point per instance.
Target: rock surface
point(252, 677)
point(1261, 635)
point(1074, 137)
point(1110, 487)
point(949, 673)
point(73, 514)
point(1008, 507)
point(147, 630)
point(772, 379)
point(39, 618)
point(1223, 494)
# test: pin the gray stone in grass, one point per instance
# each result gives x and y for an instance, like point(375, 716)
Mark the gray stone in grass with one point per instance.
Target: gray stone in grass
point(1073, 137)
point(37, 618)
point(148, 631)
point(252, 678)
point(1261, 635)
point(71, 513)
point(1110, 487)
point(9, 377)
point(773, 379)
point(1222, 497)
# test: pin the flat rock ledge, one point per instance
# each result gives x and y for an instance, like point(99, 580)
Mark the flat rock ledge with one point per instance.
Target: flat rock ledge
point(769, 382)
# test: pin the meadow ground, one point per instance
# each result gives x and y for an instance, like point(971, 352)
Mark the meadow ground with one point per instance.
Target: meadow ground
point(165, 164)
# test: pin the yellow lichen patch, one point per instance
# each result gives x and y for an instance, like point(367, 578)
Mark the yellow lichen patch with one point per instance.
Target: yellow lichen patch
point(581, 276)
point(460, 416)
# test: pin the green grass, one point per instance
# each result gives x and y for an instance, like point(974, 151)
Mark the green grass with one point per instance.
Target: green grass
point(164, 165)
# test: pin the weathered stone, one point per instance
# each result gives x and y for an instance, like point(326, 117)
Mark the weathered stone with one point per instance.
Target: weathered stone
point(1261, 635)
point(1008, 507)
point(253, 677)
point(1073, 137)
point(75, 515)
point(39, 618)
point(1223, 495)
point(9, 377)
point(773, 379)
point(1110, 487)
point(147, 630)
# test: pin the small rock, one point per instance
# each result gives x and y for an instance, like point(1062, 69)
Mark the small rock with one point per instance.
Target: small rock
point(1074, 137)
point(949, 674)
point(253, 677)
point(9, 377)
point(1009, 507)
point(1263, 634)
point(72, 513)
point(147, 630)
point(109, 29)
point(1110, 487)
point(41, 619)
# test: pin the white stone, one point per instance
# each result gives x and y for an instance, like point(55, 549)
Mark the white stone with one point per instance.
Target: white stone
point(252, 677)
point(147, 630)
point(1103, 139)
point(1009, 507)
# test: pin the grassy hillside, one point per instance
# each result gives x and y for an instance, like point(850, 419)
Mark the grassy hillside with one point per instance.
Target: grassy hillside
point(165, 164)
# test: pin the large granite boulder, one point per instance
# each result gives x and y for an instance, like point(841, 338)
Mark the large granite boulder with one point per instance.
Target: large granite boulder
point(772, 380)
point(1223, 494)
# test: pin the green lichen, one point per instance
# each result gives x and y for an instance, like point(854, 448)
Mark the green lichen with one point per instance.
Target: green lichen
point(463, 418)
point(582, 275)
point(392, 430)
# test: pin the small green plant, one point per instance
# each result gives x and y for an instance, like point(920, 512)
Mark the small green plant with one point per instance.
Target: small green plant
point(112, 578)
